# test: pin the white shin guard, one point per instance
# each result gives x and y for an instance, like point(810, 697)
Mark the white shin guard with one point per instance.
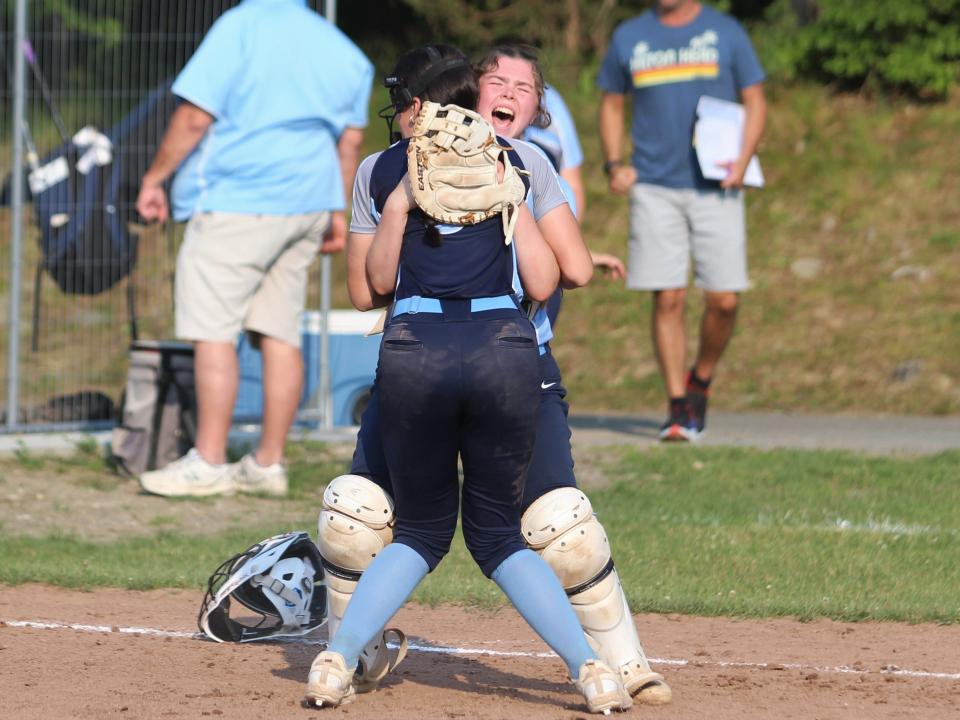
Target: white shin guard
point(355, 524)
point(562, 528)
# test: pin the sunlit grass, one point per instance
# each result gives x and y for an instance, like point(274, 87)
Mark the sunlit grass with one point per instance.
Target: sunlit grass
point(713, 531)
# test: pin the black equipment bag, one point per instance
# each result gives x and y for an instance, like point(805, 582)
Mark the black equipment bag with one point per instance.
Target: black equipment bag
point(86, 244)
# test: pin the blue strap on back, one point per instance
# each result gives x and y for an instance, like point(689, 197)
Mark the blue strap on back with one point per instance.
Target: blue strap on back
point(417, 304)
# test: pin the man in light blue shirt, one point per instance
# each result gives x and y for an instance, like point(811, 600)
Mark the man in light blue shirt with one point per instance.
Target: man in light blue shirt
point(265, 146)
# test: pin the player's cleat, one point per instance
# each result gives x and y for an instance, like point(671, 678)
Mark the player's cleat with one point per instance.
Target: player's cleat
point(190, 476)
point(646, 687)
point(697, 395)
point(252, 477)
point(601, 688)
point(330, 682)
point(377, 660)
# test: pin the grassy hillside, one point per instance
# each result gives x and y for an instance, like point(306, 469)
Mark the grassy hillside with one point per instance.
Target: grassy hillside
point(854, 252)
point(854, 258)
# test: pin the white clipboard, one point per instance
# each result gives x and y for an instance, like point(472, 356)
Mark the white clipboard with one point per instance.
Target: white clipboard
point(717, 136)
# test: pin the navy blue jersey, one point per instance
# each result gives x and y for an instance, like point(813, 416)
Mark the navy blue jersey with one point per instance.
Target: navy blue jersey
point(468, 261)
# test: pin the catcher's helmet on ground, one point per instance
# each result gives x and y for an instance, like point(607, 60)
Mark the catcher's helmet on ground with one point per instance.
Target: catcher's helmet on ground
point(280, 579)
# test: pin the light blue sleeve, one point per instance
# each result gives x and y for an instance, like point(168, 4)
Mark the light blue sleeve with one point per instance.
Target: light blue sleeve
point(562, 124)
point(209, 75)
point(546, 192)
point(569, 195)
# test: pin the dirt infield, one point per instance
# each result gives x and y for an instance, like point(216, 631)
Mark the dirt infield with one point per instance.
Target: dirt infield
point(719, 668)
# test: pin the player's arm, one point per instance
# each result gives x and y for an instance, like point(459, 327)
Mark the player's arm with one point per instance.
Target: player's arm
point(622, 175)
point(611, 265)
point(361, 292)
point(550, 201)
point(536, 263)
point(383, 257)
point(755, 121)
point(363, 227)
point(561, 231)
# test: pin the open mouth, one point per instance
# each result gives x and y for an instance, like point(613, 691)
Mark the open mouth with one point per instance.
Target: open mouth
point(502, 114)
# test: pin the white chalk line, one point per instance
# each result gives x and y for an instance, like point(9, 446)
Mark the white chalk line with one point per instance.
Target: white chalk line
point(443, 650)
point(870, 526)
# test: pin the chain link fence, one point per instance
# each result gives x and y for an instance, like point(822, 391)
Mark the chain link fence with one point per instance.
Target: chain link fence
point(94, 94)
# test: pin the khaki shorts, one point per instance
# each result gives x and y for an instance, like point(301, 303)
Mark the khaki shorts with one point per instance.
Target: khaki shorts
point(245, 272)
point(668, 225)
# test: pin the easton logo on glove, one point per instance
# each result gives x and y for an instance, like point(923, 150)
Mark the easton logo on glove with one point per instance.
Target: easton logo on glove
point(454, 161)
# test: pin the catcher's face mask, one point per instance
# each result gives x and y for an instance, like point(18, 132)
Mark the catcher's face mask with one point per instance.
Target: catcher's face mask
point(279, 579)
point(400, 100)
point(404, 90)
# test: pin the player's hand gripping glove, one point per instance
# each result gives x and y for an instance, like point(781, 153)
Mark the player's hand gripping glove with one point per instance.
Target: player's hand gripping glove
point(453, 161)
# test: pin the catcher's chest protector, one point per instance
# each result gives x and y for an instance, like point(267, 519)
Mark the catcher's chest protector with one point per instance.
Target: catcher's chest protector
point(454, 160)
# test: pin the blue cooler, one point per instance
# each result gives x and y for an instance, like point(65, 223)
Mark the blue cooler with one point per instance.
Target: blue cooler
point(353, 366)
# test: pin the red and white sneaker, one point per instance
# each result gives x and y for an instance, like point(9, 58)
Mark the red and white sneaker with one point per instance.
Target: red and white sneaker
point(678, 427)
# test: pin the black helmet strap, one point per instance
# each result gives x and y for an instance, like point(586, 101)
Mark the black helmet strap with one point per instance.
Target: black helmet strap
point(402, 91)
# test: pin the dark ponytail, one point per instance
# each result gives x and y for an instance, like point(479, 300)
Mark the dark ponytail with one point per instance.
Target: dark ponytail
point(435, 73)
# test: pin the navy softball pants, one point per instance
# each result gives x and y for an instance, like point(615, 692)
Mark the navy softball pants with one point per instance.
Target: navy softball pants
point(551, 466)
point(452, 386)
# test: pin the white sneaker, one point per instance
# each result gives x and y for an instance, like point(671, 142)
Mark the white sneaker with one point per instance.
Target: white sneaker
point(330, 683)
point(601, 688)
point(192, 476)
point(251, 477)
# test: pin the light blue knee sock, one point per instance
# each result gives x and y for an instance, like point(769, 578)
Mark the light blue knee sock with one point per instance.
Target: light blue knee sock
point(382, 590)
point(538, 596)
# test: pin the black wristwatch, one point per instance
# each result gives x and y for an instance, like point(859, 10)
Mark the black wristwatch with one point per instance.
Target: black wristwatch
point(609, 165)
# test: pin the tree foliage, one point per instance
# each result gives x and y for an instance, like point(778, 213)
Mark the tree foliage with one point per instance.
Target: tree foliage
point(910, 46)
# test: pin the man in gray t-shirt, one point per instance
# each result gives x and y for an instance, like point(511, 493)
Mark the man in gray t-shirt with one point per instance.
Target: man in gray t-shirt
point(667, 59)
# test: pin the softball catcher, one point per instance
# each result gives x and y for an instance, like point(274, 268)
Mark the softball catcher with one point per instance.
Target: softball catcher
point(456, 339)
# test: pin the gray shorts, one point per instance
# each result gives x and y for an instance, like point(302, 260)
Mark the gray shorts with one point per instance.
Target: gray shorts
point(668, 225)
point(245, 272)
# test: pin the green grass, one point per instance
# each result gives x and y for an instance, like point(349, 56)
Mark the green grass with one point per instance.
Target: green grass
point(728, 531)
point(709, 531)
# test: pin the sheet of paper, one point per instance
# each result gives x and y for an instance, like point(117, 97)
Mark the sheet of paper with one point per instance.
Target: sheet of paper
point(717, 136)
